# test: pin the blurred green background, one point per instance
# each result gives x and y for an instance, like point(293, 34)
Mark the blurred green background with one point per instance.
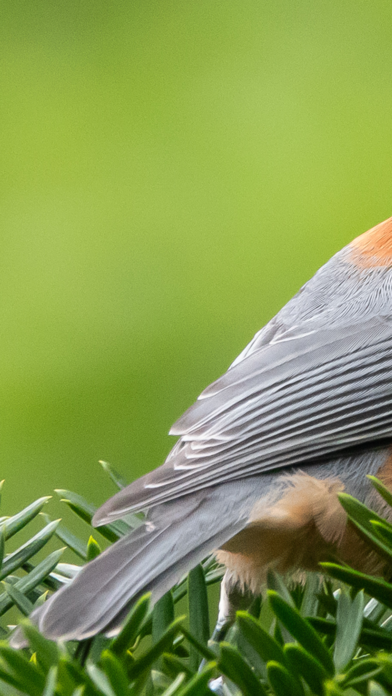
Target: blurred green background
point(172, 172)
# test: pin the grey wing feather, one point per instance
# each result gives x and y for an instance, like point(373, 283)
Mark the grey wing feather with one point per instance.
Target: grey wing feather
point(292, 401)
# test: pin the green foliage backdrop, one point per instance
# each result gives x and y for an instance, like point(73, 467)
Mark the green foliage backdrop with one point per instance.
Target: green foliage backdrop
point(172, 172)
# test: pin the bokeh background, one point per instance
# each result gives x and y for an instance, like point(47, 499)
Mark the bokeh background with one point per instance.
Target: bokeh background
point(171, 173)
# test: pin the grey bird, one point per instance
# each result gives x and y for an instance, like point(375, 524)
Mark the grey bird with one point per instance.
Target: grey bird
point(304, 412)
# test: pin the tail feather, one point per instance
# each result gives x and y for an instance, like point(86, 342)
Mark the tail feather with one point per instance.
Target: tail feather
point(100, 596)
point(165, 581)
point(148, 559)
point(152, 558)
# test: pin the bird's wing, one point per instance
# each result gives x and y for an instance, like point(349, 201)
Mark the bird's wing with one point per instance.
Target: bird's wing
point(295, 400)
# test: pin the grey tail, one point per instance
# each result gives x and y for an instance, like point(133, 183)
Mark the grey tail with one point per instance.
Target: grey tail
point(149, 559)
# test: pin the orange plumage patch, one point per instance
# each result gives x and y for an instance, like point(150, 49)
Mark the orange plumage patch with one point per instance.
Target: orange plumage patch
point(305, 526)
point(373, 248)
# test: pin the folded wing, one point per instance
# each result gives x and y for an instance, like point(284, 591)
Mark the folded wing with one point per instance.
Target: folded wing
point(295, 400)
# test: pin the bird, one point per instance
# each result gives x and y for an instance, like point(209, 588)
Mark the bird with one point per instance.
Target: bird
point(303, 413)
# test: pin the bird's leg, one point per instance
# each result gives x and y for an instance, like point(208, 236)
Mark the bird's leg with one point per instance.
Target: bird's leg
point(232, 599)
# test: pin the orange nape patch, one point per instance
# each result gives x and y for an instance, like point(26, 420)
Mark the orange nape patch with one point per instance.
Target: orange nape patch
point(307, 525)
point(373, 248)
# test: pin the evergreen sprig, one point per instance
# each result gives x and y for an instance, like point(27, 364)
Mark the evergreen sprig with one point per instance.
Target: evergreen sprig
point(322, 637)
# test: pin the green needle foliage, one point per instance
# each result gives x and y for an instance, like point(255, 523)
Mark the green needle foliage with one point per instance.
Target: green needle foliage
point(326, 636)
